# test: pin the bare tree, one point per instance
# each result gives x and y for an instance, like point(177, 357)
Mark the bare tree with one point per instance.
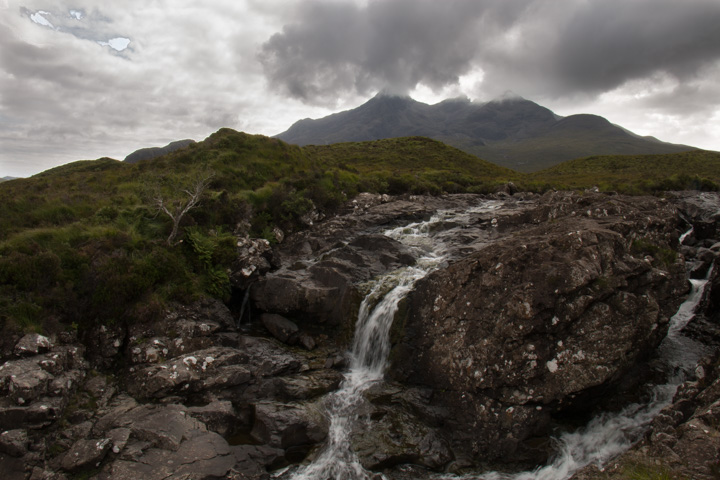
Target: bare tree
point(176, 208)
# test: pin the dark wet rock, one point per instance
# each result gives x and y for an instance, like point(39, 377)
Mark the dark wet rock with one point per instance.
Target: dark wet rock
point(393, 436)
point(252, 462)
point(32, 344)
point(286, 425)
point(14, 442)
point(219, 416)
point(85, 453)
point(299, 386)
point(280, 327)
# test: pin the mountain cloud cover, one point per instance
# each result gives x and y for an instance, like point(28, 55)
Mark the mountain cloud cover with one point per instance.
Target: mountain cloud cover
point(535, 47)
point(84, 79)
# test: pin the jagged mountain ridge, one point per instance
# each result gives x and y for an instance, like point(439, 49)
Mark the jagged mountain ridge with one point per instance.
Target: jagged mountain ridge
point(512, 132)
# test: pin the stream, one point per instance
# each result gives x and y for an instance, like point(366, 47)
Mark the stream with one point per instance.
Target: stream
point(603, 438)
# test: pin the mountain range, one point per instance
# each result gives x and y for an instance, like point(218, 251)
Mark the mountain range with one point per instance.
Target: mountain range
point(510, 131)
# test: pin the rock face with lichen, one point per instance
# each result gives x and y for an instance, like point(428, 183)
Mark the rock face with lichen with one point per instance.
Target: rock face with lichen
point(557, 310)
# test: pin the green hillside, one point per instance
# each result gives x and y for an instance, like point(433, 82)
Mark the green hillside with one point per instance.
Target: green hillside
point(411, 164)
point(86, 242)
point(635, 174)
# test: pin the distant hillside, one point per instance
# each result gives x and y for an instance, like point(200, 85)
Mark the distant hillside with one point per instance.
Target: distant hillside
point(5, 179)
point(154, 152)
point(511, 132)
point(697, 170)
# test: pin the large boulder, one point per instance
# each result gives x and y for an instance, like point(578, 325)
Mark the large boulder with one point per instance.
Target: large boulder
point(536, 322)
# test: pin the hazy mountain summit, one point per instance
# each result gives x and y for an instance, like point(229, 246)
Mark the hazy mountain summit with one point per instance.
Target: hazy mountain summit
point(510, 131)
point(154, 152)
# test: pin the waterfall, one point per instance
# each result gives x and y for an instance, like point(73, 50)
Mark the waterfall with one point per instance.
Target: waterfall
point(368, 359)
point(605, 437)
point(371, 346)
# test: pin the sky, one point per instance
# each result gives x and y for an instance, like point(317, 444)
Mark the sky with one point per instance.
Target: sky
point(84, 79)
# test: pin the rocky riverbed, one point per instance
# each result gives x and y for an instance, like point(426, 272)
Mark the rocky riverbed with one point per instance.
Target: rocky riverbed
point(544, 310)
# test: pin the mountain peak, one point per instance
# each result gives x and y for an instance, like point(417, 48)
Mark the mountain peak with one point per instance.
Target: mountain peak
point(510, 130)
point(508, 95)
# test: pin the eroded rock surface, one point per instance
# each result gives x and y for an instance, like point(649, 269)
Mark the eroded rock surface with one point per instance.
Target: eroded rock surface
point(533, 323)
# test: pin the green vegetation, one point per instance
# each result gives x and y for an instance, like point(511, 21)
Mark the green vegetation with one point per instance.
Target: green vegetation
point(636, 174)
point(89, 242)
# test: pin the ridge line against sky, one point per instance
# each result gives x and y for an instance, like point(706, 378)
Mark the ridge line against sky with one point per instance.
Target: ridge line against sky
point(84, 79)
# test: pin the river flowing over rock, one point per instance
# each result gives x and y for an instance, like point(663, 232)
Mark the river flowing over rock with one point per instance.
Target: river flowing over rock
point(413, 336)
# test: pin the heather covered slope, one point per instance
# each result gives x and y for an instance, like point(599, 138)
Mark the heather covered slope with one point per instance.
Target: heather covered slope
point(86, 241)
point(693, 170)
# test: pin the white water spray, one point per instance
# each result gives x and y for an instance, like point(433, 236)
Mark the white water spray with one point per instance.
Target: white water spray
point(369, 354)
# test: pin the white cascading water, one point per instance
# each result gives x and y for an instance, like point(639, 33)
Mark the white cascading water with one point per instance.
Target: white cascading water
point(371, 343)
point(369, 354)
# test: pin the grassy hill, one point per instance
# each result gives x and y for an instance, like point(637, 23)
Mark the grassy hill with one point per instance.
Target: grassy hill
point(85, 242)
point(635, 174)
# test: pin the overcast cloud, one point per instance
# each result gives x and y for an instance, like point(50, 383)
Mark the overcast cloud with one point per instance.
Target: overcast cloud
point(83, 79)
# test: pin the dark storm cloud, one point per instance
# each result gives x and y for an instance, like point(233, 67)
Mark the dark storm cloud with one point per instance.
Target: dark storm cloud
point(607, 43)
point(538, 47)
point(335, 47)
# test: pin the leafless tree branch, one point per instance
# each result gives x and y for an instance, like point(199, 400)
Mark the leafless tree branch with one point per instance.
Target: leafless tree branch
point(176, 209)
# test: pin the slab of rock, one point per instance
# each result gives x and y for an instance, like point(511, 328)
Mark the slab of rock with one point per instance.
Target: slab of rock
point(41, 413)
point(205, 455)
point(216, 367)
point(280, 327)
point(284, 425)
point(32, 344)
point(14, 442)
point(300, 386)
point(219, 416)
point(164, 427)
point(85, 453)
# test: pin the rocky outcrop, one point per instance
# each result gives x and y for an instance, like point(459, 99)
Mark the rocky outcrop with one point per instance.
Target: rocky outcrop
point(683, 440)
point(194, 399)
point(537, 323)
